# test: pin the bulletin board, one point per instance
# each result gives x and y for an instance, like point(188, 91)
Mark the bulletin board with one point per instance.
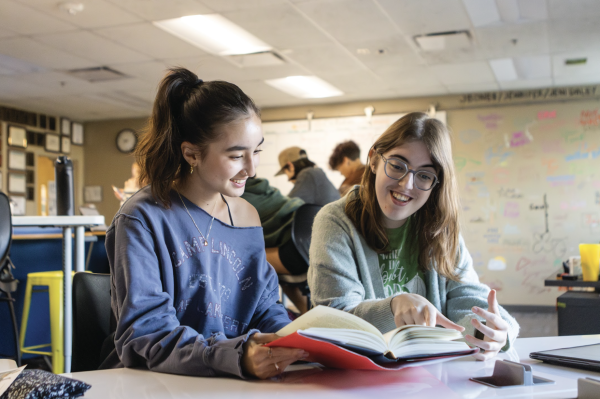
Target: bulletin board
point(529, 179)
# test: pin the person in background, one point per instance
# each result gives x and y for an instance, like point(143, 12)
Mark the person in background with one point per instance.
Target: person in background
point(346, 160)
point(191, 288)
point(276, 212)
point(130, 186)
point(391, 252)
point(310, 182)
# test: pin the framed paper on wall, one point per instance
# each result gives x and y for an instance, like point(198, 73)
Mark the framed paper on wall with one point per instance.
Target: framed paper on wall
point(52, 142)
point(16, 183)
point(17, 136)
point(65, 146)
point(77, 133)
point(92, 194)
point(16, 160)
point(65, 126)
point(18, 205)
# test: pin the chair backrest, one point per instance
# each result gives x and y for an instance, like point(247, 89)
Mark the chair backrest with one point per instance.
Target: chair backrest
point(91, 319)
point(302, 228)
point(5, 228)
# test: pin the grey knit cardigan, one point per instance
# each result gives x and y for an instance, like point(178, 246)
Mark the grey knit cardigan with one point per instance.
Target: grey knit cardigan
point(344, 273)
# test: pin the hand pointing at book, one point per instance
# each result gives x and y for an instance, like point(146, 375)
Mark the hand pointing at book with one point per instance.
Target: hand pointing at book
point(416, 309)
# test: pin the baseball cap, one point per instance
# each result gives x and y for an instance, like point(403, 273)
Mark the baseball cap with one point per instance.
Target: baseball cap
point(290, 154)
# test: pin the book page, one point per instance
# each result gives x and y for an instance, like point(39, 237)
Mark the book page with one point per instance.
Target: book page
point(326, 317)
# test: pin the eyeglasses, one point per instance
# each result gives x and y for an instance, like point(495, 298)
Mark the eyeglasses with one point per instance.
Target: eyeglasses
point(396, 169)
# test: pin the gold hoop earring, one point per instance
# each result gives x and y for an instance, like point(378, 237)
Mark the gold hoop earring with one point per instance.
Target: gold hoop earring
point(191, 169)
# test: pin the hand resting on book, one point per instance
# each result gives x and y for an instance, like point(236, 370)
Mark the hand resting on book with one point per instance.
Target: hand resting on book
point(262, 362)
point(495, 330)
point(416, 309)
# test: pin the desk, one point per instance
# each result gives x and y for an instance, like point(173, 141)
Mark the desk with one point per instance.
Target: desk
point(67, 223)
point(440, 381)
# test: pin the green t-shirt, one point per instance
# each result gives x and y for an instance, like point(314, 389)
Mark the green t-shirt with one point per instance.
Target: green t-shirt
point(400, 267)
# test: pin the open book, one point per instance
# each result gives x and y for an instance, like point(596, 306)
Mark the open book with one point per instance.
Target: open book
point(334, 337)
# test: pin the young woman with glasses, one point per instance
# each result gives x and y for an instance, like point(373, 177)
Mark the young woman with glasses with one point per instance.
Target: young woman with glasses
point(390, 251)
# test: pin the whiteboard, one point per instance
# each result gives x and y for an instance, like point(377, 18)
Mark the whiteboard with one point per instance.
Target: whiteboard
point(318, 138)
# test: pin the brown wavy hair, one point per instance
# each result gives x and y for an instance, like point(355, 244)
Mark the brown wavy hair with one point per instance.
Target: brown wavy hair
point(436, 223)
point(185, 109)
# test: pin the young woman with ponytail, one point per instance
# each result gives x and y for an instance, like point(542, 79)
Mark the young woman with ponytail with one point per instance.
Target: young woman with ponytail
point(397, 256)
point(192, 291)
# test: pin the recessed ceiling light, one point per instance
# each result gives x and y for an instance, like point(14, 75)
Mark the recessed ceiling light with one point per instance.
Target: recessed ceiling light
point(305, 87)
point(214, 34)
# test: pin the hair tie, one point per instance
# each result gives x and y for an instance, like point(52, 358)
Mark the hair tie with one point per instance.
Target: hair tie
point(199, 81)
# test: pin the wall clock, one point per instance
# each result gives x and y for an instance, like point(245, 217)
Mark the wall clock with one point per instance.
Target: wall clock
point(126, 140)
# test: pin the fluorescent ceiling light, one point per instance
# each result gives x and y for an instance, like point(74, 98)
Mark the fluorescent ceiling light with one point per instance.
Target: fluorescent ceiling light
point(214, 34)
point(533, 67)
point(504, 69)
point(305, 87)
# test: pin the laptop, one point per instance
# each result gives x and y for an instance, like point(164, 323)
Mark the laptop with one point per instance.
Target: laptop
point(583, 357)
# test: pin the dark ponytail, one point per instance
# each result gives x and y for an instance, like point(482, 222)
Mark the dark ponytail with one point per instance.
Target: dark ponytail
point(185, 109)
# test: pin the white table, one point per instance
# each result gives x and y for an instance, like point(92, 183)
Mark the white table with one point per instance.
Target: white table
point(441, 381)
point(67, 223)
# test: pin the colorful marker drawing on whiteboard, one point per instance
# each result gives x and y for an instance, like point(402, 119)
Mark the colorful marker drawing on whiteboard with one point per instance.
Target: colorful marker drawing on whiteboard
point(511, 210)
point(546, 115)
point(590, 118)
point(519, 139)
point(497, 263)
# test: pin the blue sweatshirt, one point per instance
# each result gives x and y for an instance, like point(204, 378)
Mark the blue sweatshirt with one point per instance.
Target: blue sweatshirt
point(183, 307)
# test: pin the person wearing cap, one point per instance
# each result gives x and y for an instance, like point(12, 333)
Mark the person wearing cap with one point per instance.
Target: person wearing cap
point(310, 182)
point(346, 160)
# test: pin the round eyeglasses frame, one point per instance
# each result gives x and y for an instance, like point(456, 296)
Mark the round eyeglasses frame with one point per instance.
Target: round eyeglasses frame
point(435, 181)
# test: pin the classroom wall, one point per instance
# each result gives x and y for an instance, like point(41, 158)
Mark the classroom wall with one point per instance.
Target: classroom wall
point(510, 149)
point(105, 165)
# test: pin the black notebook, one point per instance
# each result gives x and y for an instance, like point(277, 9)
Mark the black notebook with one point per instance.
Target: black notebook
point(584, 357)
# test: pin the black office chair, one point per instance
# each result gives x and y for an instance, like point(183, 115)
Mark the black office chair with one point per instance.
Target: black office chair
point(301, 235)
point(8, 283)
point(91, 319)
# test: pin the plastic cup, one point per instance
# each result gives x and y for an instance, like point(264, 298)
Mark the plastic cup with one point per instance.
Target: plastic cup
point(590, 261)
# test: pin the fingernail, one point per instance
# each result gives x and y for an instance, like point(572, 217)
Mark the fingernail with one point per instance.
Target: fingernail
point(475, 309)
point(304, 354)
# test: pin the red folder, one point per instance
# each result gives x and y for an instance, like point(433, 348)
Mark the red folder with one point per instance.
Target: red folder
point(333, 356)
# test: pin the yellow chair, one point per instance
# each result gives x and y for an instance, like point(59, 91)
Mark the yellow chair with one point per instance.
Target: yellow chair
point(54, 281)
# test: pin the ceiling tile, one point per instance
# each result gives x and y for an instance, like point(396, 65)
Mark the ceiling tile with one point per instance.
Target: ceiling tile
point(324, 57)
point(40, 54)
point(96, 13)
point(280, 26)
point(576, 74)
point(236, 5)
point(427, 16)
point(152, 71)
point(217, 68)
point(464, 74)
point(93, 47)
point(574, 35)
point(561, 9)
point(149, 40)
point(349, 20)
point(513, 40)
point(156, 10)
point(415, 77)
point(25, 20)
